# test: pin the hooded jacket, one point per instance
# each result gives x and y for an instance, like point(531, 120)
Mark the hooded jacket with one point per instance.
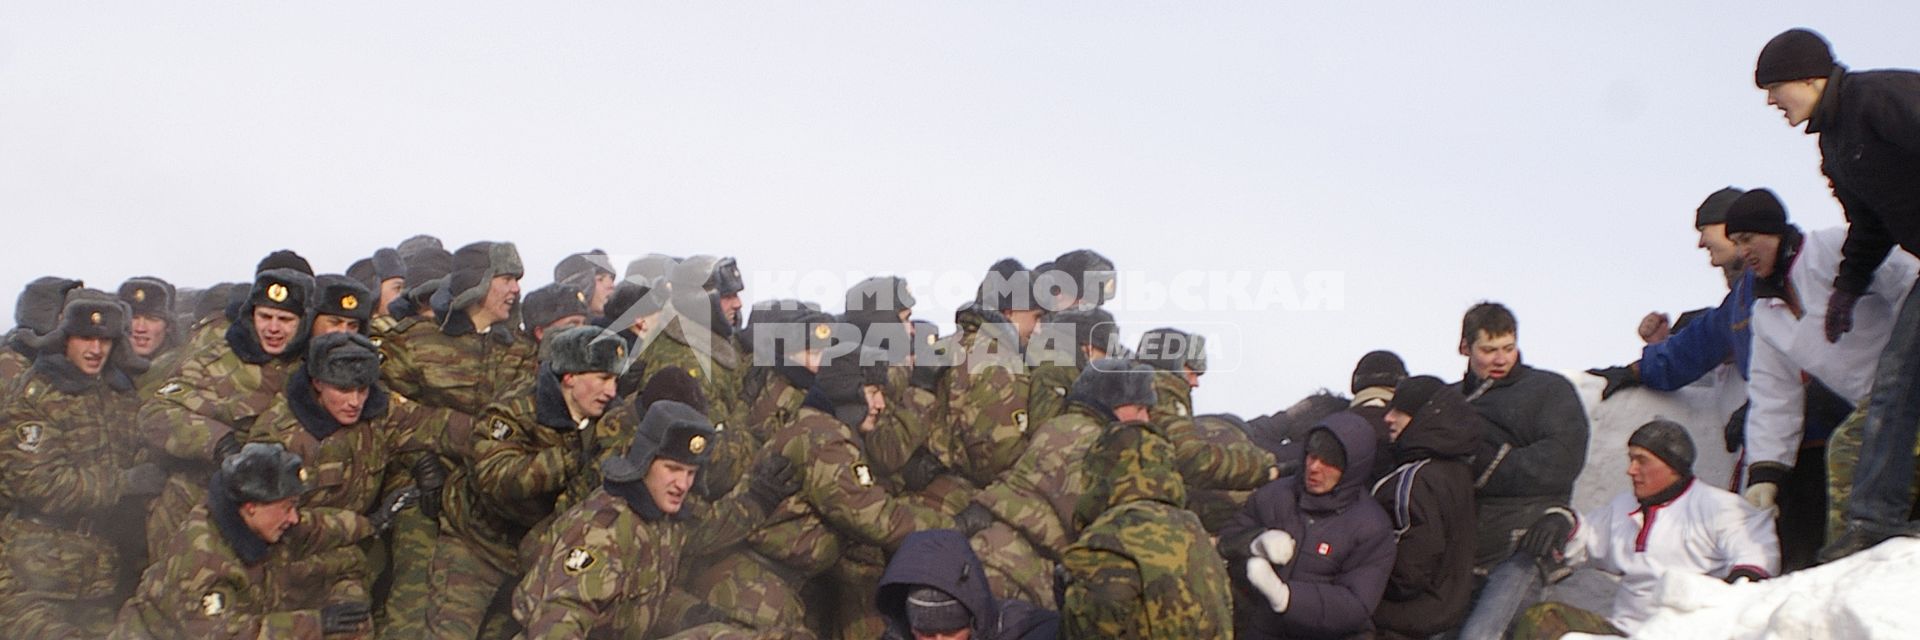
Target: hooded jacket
point(1343, 554)
point(1431, 587)
point(941, 559)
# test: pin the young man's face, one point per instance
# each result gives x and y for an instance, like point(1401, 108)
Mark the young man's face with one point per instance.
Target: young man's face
point(590, 391)
point(1491, 357)
point(271, 520)
point(1193, 377)
point(1133, 413)
point(1759, 251)
point(730, 304)
point(89, 354)
point(343, 403)
point(1650, 475)
point(1321, 477)
point(147, 335)
point(1720, 249)
point(275, 328)
point(1397, 422)
point(1796, 99)
point(390, 290)
point(668, 482)
point(602, 287)
point(962, 634)
point(1024, 321)
point(324, 324)
point(502, 294)
point(876, 403)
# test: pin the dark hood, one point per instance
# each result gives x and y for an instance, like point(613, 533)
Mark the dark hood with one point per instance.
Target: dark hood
point(1356, 436)
point(1445, 427)
point(942, 559)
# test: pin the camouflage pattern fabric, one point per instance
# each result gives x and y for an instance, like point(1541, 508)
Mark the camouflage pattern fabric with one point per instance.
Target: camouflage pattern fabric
point(985, 401)
point(714, 362)
point(1843, 453)
point(1551, 620)
point(1144, 568)
point(1048, 397)
point(200, 588)
point(1218, 506)
point(1033, 507)
point(213, 393)
point(1209, 460)
point(13, 365)
point(605, 571)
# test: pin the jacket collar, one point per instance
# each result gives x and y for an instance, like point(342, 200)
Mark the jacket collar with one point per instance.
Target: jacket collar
point(1664, 498)
point(246, 544)
point(550, 402)
point(305, 406)
point(66, 378)
point(1828, 110)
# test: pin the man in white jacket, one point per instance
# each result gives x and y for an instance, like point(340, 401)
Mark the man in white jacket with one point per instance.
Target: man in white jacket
point(1794, 273)
point(1668, 522)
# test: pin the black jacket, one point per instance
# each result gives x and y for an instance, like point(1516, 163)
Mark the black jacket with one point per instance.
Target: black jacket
point(1531, 453)
point(941, 559)
point(1342, 556)
point(1432, 581)
point(1869, 126)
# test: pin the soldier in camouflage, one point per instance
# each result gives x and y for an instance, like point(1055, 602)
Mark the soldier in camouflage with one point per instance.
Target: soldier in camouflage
point(427, 269)
point(697, 334)
point(552, 308)
point(249, 563)
point(1220, 463)
point(983, 387)
point(635, 310)
point(524, 452)
point(340, 303)
point(458, 351)
point(154, 335)
point(840, 504)
point(1143, 566)
point(785, 357)
point(204, 409)
point(72, 471)
point(1073, 288)
point(1020, 524)
point(590, 273)
point(610, 565)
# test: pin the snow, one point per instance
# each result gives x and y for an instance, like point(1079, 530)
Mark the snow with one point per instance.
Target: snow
point(1867, 595)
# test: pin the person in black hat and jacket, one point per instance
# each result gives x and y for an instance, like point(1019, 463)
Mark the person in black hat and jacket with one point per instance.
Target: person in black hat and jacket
point(935, 587)
point(1869, 128)
point(1429, 498)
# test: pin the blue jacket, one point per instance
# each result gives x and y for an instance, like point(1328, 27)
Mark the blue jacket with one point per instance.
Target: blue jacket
point(1704, 343)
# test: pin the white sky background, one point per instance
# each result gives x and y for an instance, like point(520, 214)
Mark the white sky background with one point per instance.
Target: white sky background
point(1544, 155)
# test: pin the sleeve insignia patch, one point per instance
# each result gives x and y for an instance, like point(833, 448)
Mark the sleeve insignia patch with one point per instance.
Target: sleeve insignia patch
point(213, 604)
point(30, 435)
point(1020, 418)
point(863, 475)
point(578, 560)
point(171, 388)
point(499, 430)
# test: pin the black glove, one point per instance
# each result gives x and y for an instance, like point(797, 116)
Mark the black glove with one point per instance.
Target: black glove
point(1617, 378)
point(343, 617)
point(773, 480)
point(143, 480)
point(1749, 573)
point(927, 376)
point(973, 519)
point(921, 470)
point(227, 445)
point(1547, 538)
point(382, 518)
point(1840, 313)
point(1736, 433)
point(429, 476)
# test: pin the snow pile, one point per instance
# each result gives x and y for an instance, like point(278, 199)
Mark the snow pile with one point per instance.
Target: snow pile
point(1867, 595)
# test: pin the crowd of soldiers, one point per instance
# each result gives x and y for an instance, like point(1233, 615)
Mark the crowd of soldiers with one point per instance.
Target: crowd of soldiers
point(411, 449)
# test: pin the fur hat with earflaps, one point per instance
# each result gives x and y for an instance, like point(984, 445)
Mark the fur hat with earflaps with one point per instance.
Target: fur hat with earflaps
point(1111, 382)
point(262, 472)
point(345, 360)
point(91, 313)
point(474, 268)
point(37, 312)
point(342, 296)
point(585, 349)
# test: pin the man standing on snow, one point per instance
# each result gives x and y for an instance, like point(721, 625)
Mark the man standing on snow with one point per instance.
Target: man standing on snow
point(1869, 126)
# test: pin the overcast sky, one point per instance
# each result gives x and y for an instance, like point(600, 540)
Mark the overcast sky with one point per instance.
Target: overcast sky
point(1420, 156)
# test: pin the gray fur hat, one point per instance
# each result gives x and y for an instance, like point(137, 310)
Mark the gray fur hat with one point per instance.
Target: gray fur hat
point(583, 349)
point(1168, 349)
point(37, 311)
point(670, 430)
point(650, 268)
point(387, 265)
point(548, 304)
point(843, 382)
point(474, 268)
point(347, 360)
point(148, 296)
point(338, 295)
point(591, 262)
point(1113, 382)
point(262, 472)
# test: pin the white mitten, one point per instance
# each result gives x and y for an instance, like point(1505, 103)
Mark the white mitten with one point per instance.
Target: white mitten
point(1763, 495)
point(1260, 573)
point(1274, 545)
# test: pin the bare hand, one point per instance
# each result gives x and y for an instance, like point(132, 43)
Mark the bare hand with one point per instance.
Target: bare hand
point(1655, 327)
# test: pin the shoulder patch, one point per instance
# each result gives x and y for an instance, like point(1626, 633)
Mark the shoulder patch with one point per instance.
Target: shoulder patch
point(499, 429)
point(1180, 408)
point(213, 604)
point(170, 389)
point(1020, 418)
point(694, 373)
point(862, 474)
point(1060, 391)
point(29, 436)
point(719, 427)
point(578, 560)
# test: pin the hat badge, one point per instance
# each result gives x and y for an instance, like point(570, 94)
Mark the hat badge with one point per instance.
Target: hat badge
point(580, 295)
point(349, 302)
point(95, 318)
point(277, 292)
point(696, 445)
point(822, 331)
point(139, 295)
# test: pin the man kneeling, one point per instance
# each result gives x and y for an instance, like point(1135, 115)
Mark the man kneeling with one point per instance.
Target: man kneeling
point(1669, 522)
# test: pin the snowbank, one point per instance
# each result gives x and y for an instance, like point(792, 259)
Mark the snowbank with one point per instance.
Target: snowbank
point(1868, 595)
point(1702, 407)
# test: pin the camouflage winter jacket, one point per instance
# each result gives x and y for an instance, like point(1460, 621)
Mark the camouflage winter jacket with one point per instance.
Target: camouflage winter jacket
point(523, 453)
point(1036, 497)
point(1207, 460)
